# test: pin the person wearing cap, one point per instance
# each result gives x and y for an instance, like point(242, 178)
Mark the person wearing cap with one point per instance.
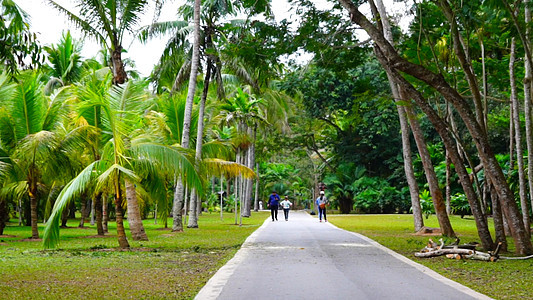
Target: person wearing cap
point(273, 203)
point(286, 205)
point(322, 201)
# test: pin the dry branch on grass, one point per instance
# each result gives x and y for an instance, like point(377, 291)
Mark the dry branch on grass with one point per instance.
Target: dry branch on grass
point(456, 251)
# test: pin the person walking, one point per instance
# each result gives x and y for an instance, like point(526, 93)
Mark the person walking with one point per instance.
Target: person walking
point(286, 205)
point(322, 201)
point(273, 204)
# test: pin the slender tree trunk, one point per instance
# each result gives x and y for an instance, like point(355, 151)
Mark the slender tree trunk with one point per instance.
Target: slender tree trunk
point(98, 213)
point(518, 137)
point(448, 184)
point(256, 200)
point(193, 207)
point(511, 139)
point(436, 193)
point(64, 217)
point(4, 215)
point(179, 192)
point(134, 215)
point(33, 208)
point(221, 198)
point(105, 215)
point(19, 206)
point(499, 226)
point(404, 126)
point(527, 101)
point(121, 232)
point(83, 211)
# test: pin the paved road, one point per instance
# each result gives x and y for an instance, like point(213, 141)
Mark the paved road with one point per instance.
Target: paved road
point(304, 259)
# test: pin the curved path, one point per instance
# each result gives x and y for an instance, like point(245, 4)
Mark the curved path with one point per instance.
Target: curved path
point(304, 259)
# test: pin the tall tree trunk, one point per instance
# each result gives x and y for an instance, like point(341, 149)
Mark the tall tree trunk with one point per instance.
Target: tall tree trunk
point(249, 162)
point(448, 184)
point(64, 217)
point(499, 226)
point(392, 59)
point(4, 215)
point(33, 208)
point(256, 196)
point(98, 213)
point(431, 177)
point(404, 127)
point(185, 137)
point(119, 214)
point(134, 214)
point(105, 215)
point(528, 82)
point(83, 210)
point(518, 137)
point(193, 206)
point(119, 74)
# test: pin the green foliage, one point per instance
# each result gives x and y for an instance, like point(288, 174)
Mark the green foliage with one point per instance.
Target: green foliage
point(375, 195)
point(459, 205)
point(18, 45)
point(426, 204)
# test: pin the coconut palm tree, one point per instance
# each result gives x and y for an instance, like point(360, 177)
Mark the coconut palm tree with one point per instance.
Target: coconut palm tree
point(29, 121)
point(65, 62)
point(18, 44)
point(121, 110)
point(107, 21)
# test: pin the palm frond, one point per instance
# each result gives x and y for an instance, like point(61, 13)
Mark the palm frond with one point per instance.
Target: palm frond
point(218, 149)
point(114, 169)
point(84, 25)
point(28, 105)
point(71, 190)
point(57, 109)
point(159, 29)
point(131, 14)
point(228, 169)
point(174, 159)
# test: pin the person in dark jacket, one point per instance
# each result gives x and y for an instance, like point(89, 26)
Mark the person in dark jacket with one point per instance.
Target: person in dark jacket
point(273, 204)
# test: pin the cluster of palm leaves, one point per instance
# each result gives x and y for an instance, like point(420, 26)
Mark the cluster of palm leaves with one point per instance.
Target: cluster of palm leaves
point(80, 130)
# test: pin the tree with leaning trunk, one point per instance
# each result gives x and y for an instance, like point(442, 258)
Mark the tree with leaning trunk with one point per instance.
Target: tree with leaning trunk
point(392, 59)
point(179, 194)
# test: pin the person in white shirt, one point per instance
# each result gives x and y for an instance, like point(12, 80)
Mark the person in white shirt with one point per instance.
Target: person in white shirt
point(322, 202)
point(286, 205)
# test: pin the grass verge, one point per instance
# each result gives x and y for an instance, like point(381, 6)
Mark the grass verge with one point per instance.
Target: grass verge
point(168, 266)
point(504, 279)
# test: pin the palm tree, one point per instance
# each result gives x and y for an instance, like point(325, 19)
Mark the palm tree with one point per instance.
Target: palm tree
point(107, 21)
point(18, 43)
point(65, 60)
point(29, 120)
point(120, 110)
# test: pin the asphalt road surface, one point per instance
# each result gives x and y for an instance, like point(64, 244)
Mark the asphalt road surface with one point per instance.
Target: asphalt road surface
point(304, 259)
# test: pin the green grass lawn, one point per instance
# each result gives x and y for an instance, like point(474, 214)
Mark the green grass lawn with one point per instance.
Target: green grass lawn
point(168, 266)
point(177, 265)
point(504, 279)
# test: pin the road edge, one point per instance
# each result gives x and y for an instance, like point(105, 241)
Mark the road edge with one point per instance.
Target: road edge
point(216, 283)
point(422, 268)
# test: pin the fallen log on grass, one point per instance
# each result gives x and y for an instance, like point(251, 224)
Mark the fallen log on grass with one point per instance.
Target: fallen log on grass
point(456, 251)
